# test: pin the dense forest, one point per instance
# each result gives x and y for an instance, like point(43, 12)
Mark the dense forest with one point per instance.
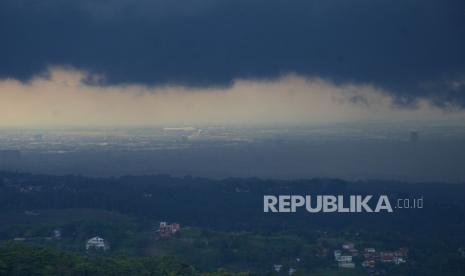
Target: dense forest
point(18, 259)
point(223, 227)
point(233, 203)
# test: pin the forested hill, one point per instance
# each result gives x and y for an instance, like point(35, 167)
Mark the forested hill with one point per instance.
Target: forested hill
point(234, 203)
point(19, 259)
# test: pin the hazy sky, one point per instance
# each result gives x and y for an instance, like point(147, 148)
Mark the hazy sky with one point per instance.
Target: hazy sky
point(183, 62)
point(64, 99)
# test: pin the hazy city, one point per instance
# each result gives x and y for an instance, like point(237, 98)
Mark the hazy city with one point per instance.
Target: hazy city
point(348, 151)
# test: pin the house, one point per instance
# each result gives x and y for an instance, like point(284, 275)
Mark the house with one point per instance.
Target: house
point(369, 250)
point(97, 243)
point(369, 263)
point(386, 257)
point(396, 257)
point(370, 253)
point(346, 264)
point(292, 271)
point(344, 258)
point(57, 234)
point(399, 260)
point(277, 267)
point(337, 254)
point(348, 245)
point(371, 256)
point(402, 252)
point(166, 230)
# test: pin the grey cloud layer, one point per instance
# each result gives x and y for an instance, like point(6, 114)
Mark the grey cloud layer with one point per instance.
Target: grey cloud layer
point(412, 48)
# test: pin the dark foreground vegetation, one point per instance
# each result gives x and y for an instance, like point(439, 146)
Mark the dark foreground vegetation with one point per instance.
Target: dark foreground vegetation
point(223, 227)
point(20, 259)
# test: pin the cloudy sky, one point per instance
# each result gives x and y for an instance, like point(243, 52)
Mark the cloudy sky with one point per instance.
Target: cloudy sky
point(158, 62)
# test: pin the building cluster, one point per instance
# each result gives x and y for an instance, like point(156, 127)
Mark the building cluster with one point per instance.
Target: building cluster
point(369, 257)
point(278, 268)
point(345, 256)
point(167, 230)
point(97, 243)
point(56, 235)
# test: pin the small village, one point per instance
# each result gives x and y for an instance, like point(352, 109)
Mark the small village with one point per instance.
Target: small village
point(97, 243)
point(279, 268)
point(348, 255)
point(358, 257)
point(165, 230)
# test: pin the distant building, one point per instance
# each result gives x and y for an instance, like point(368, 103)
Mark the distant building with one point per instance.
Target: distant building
point(167, 230)
point(345, 258)
point(348, 245)
point(369, 250)
point(277, 267)
point(97, 243)
point(402, 252)
point(386, 257)
point(337, 254)
point(397, 257)
point(371, 256)
point(346, 264)
point(399, 260)
point(57, 234)
point(369, 264)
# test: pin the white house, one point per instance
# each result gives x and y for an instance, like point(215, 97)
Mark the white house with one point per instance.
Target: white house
point(277, 267)
point(337, 254)
point(57, 234)
point(399, 260)
point(348, 245)
point(345, 258)
point(96, 243)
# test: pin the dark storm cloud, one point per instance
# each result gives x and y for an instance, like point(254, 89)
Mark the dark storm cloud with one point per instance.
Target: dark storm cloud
point(412, 48)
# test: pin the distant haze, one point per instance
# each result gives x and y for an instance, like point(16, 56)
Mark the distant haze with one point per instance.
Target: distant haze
point(410, 151)
point(64, 98)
